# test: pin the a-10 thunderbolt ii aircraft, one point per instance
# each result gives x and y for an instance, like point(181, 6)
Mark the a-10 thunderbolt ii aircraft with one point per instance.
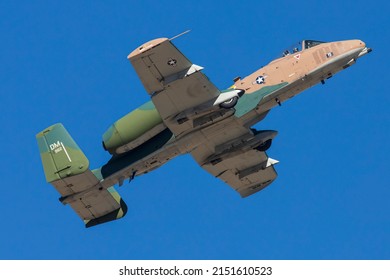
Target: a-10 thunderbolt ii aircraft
point(189, 114)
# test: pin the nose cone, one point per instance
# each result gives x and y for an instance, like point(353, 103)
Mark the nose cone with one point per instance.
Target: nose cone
point(355, 44)
point(357, 47)
point(361, 43)
point(361, 48)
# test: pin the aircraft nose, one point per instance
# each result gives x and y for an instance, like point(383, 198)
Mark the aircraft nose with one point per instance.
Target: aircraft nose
point(358, 47)
point(365, 50)
point(356, 44)
point(361, 44)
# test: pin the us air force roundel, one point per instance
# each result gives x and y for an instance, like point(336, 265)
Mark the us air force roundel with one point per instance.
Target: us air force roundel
point(172, 62)
point(260, 80)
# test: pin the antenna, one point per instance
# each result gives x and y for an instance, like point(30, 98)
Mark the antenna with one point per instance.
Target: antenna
point(177, 36)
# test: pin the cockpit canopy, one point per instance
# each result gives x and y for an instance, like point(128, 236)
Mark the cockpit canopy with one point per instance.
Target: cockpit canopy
point(305, 44)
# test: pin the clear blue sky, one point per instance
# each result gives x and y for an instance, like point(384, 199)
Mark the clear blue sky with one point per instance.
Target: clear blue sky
point(66, 62)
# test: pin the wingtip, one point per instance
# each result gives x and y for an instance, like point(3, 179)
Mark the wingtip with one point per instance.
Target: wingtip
point(147, 46)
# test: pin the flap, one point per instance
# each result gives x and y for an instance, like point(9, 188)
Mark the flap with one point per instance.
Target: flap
point(247, 172)
point(233, 154)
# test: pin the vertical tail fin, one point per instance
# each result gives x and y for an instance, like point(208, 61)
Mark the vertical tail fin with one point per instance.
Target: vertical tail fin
point(66, 168)
point(61, 156)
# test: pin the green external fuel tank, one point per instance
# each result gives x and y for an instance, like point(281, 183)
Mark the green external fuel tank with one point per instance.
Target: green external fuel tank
point(133, 129)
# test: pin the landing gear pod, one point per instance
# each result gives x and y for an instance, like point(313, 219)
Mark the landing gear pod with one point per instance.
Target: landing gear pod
point(229, 103)
point(228, 99)
point(264, 146)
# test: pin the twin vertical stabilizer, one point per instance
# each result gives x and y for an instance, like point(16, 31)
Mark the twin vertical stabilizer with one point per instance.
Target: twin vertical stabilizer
point(67, 169)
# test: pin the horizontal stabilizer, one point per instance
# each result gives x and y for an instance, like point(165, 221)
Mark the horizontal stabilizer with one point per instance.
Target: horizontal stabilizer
point(104, 207)
point(67, 169)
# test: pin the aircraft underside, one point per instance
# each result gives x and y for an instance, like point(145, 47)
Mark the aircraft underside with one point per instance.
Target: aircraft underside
point(188, 114)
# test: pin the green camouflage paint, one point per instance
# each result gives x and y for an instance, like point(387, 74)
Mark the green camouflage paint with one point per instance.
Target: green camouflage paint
point(114, 215)
point(61, 156)
point(116, 163)
point(249, 101)
point(131, 126)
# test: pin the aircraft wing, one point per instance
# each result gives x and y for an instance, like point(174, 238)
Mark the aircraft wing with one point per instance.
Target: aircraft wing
point(185, 98)
point(237, 162)
point(178, 88)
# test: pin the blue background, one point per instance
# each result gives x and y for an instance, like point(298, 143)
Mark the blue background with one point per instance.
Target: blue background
point(66, 62)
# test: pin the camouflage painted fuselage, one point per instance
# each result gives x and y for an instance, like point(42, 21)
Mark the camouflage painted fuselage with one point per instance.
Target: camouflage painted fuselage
point(188, 114)
point(140, 142)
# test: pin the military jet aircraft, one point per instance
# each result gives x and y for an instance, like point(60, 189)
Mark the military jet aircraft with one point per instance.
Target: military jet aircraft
point(187, 113)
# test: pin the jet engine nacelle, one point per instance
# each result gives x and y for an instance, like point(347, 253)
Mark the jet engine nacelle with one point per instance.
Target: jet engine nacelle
point(134, 129)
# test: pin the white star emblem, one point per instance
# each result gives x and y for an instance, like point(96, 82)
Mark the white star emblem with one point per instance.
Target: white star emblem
point(260, 80)
point(172, 62)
